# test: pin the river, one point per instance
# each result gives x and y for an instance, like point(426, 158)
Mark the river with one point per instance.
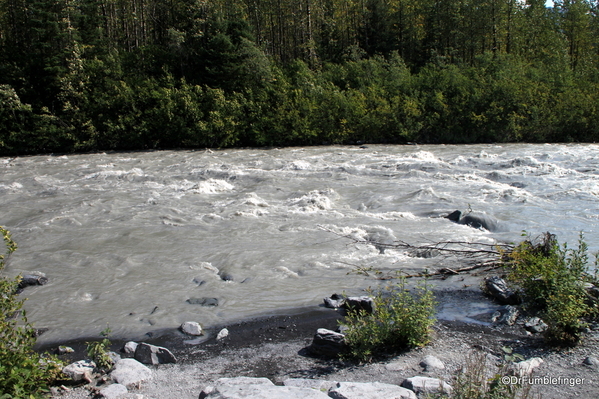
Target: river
point(128, 239)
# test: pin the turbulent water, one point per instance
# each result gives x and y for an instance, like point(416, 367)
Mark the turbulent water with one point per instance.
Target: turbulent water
point(128, 238)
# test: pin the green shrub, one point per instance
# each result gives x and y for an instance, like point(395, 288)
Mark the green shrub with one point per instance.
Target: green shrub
point(98, 351)
point(551, 281)
point(23, 372)
point(401, 320)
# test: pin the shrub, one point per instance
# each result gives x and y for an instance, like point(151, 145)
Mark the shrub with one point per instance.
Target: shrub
point(401, 320)
point(98, 351)
point(551, 281)
point(23, 372)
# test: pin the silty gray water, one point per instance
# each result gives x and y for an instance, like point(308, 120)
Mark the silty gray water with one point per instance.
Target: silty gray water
point(128, 238)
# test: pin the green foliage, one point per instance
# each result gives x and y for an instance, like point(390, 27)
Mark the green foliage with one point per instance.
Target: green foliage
point(98, 351)
point(551, 281)
point(23, 372)
point(401, 320)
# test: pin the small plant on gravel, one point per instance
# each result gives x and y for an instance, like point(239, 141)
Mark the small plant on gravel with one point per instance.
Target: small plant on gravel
point(551, 279)
point(24, 373)
point(98, 351)
point(401, 319)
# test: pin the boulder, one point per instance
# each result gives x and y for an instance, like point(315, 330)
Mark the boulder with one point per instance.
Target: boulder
point(222, 334)
point(130, 372)
point(431, 362)
point(474, 220)
point(151, 354)
point(535, 325)
point(81, 370)
point(498, 289)
point(320, 385)
point(129, 349)
point(327, 343)
point(191, 328)
point(256, 388)
point(32, 279)
point(334, 301)
point(360, 303)
point(506, 315)
point(427, 385)
point(369, 390)
point(114, 391)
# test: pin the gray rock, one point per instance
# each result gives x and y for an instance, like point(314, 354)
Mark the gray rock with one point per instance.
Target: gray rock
point(130, 372)
point(506, 315)
point(525, 367)
point(535, 325)
point(129, 349)
point(203, 301)
point(256, 388)
point(498, 289)
point(114, 391)
point(431, 362)
point(33, 279)
point(81, 370)
point(591, 361)
point(320, 385)
point(427, 385)
point(370, 390)
point(222, 334)
point(360, 303)
point(327, 343)
point(151, 354)
point(191, 328)
point(62, 350)
point(474, 220)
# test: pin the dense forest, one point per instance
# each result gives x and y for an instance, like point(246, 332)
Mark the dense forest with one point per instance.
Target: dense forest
point(86, 75)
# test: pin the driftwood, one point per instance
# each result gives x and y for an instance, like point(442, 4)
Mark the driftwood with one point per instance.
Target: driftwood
point(483, 254)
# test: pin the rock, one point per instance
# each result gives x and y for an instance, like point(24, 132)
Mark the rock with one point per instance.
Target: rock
point(114, 391)
point(151, 354)
point(506, 315)
point(474, 220)
point(256, 388)
point(130, 372)
point(498, 289)
point(320, 385)
point(327, 343)
point(222, 334)
point(334, 301)
point(81, 370)
point(62, 350)
point(591, 289)
point(370, 390)
point(199, 281)
point(535, 325)
point(358, 303)
point(525, 367)
point(431, 362)
point(33, 279)
point(129, 349)
point(203, 301)
point(591, 361)
point(427, 385)
point(191, 328)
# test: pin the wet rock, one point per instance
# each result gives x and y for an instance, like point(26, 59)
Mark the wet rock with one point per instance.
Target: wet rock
point(360, 303)
point(498, 289)
point(334, 301)
point(129, 349)
point(130, 372)
point(114, 391)
point(427, 385)
point(256, 388)
point(506, 315)
point(28, 280)
point(525, 367)
point(151, 354)
point(535, 325)
point(474, 220)
point(191, 328)
point(203, 301)
point(225, 276)
point(199, 281)
point(327, 343)
point(430, 363)
point(369, 390)
point(80, 371)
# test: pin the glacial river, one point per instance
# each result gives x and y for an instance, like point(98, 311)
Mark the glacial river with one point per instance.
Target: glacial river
point(130, 239)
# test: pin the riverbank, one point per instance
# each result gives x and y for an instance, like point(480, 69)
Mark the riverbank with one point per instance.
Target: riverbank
point(275, 348)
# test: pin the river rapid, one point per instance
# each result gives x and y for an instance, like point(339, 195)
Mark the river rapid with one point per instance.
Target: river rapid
point(129, 238)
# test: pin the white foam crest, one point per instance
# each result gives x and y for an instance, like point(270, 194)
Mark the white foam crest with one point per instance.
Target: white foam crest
point(251, 213)
point(212, 186)
point(254, 200)
point(298, 165)
point(426, 156)
point(114, 173)
point(284, 272)
point(314, 201)
point(392, 215)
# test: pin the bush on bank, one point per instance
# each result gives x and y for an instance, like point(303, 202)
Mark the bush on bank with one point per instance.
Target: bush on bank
point(24, 374)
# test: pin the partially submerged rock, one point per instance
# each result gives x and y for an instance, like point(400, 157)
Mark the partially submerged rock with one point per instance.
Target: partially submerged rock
point(334, 301)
